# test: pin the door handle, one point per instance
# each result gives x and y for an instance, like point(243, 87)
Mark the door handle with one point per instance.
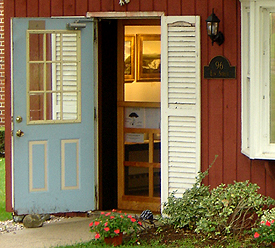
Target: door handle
point(19, 119)
point(19, 133)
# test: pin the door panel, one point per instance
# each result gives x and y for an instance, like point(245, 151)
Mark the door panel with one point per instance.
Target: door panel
point(53, 161)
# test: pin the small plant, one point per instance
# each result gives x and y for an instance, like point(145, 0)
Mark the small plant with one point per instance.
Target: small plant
point(111, 224)
point(265, 232)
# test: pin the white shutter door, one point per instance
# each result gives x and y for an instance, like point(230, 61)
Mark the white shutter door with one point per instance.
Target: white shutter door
point(180, 103)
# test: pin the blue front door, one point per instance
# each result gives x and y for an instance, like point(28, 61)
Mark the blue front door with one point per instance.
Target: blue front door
point(53, 115)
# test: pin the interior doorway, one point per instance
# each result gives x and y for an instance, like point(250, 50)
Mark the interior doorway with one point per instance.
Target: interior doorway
point(138, 109)
point(129, 83)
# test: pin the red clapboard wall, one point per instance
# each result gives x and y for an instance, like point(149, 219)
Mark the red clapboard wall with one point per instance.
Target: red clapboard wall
point(220, 99)
point(2, 66)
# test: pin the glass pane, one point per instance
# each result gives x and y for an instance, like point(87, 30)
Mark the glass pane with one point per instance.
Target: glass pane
point(53, 106)
point(156, 156)
point(142, 118)
point(49, 77)
point(135, 148)
point(36, 76)
point(69, 79)
point(55, 76)
point(36, 47)
point(69, 106)
point(36, 107)
point(272, 79)
point(127, 57)
point(56, 47)
point(156, 182)
point(151, 58)
point(50, 52)
point(69, 44)
point(136, 181)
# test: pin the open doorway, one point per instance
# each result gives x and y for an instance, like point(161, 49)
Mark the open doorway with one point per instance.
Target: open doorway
point(129, 147)
point(138, 108)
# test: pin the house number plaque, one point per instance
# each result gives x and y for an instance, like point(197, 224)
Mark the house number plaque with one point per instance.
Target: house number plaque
point(219, 68)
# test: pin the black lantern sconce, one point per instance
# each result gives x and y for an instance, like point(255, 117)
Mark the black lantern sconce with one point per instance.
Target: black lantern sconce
point(212, 26)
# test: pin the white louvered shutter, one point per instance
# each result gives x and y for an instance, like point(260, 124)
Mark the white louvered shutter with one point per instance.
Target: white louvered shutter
point(180, 103)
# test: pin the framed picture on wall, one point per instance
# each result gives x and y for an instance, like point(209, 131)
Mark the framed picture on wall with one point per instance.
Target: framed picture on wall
point(149, 51)
point(129, 58)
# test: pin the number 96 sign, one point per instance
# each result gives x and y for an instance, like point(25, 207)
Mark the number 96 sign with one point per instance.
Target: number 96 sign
point(219, 67)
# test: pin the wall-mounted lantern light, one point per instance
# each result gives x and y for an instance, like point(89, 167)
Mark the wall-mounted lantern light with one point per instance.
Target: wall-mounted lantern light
point(212, 26)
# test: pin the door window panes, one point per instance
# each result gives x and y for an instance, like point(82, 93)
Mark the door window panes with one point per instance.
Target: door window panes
point(53, 76)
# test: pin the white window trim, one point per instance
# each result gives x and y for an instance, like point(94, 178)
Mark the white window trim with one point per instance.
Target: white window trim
point(255, 79)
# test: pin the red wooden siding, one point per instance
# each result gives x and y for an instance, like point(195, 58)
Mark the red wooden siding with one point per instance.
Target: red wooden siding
point(220, 99)
point(2, 66)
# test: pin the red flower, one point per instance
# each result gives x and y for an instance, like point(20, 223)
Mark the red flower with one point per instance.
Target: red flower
point(133, 220)
point(91, 224)
point(106, 224)
point(129, 216)
point(117, 231)
point(140, 223)
point(96, 223)
point(97, 236)
point(256, 235)
point(102, 213)
point(267, 223)
point(107, 214)
point(107, 229)
point(272, 221)
point(112, 217)
point(113, 210)
point(121, 216)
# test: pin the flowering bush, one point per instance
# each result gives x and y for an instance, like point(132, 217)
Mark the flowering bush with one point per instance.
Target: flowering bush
point(110, 224)
point(265, 232)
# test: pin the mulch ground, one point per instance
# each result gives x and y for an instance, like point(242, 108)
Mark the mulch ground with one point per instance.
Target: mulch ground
point(168, 235)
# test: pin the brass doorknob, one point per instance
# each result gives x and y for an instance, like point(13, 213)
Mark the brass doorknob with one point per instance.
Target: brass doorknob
point(19, 133)
point(19, 119)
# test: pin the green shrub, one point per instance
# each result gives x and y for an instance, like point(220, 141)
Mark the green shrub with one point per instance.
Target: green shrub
point(187, 210)
point(231, 209)
point(225, 210)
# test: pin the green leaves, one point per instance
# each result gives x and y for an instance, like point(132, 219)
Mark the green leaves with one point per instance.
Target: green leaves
point(110, 224)
point(225, 210)
point(231, 208)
